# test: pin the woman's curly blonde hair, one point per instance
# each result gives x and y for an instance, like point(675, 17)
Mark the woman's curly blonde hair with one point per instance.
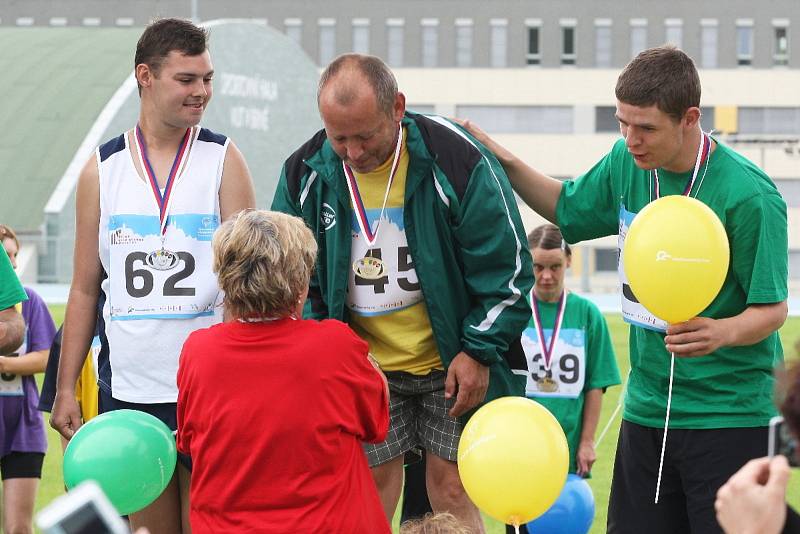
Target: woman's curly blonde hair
point(441, 523)
point(263, 260)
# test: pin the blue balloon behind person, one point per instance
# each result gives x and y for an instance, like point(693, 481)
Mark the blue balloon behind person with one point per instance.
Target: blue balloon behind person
point(572, 513)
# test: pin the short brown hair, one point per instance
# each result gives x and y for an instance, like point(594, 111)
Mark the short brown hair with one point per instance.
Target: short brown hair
point(663, 76)
point(6, 232)
point(548, 237)
point(377, 73)
point(263, 260)
point(165, 35)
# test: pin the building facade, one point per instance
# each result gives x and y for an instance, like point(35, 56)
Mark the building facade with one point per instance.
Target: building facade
point(539, 75)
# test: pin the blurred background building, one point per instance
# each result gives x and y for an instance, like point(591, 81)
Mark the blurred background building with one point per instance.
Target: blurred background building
point(538, 75)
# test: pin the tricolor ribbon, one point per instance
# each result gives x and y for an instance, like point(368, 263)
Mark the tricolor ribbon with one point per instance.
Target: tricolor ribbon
point(355, 196)
point(702, 155)
point(163, 201)
point(547, 348)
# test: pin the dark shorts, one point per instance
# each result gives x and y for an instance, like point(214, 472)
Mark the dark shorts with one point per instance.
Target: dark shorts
point(21, 465)
point(166, 412)
point(418, 419)
point(696, 464)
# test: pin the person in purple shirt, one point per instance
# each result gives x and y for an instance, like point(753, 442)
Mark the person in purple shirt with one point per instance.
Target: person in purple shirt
point(22, 437)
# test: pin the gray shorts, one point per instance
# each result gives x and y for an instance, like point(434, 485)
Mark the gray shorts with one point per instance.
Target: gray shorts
point(418, 419)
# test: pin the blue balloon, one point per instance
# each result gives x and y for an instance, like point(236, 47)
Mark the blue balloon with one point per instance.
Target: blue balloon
point(572, 513)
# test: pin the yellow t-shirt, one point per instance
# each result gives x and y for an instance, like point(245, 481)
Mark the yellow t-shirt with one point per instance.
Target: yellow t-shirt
point(86, 391)
point(389, 312)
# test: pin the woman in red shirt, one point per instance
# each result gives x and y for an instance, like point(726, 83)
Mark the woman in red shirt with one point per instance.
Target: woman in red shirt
point(273, 408)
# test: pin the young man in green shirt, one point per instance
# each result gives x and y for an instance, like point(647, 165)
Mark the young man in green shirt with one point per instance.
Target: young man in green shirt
point(723, 382)
point(12, 329)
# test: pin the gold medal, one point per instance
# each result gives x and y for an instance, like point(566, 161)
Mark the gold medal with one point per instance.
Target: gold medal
point(162, 260)
point(547, 385)
point(369, 268)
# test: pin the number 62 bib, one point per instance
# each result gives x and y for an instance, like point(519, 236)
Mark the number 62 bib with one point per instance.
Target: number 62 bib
point(162, 280)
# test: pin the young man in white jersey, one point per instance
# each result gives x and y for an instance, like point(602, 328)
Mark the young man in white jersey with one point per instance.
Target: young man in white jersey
point(422, 252)
point(147, 205)
point(721, 399)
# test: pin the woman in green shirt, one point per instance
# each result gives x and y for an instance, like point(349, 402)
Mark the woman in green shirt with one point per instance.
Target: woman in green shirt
point(568, 347)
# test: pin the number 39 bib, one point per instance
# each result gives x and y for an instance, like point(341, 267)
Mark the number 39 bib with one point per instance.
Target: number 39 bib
point(160, 279)
point(567, 372)
point(394, 288)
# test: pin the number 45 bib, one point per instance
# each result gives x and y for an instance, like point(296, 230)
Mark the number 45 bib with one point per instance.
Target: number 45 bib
point(396, 286)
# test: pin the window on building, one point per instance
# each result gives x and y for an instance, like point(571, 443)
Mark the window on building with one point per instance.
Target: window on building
point(605, 119)
point(709, 36)
point(327, 40)
point(520, 119)
point(674, 32)
point(605, 259)
point(744, 42)
point(750, 120)
point(430, 42)
point(780, 47)
point(794, 264)
point(294, 29)
point(568, 49)
point(790, 191)
point(534, 55)
point(638, 36)
point(602, 43)
point(394, 42)
point(707, 117)
point(463, 42)
point(769, 121)
point(361, 36)
point(498, 43)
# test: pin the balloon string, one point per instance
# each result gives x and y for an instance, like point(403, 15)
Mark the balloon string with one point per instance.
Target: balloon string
point(666, 426)
point(516, 528)
point(608, 425)
point(616, 411)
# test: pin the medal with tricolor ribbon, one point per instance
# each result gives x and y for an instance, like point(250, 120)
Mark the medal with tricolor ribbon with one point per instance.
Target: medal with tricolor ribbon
point(370, 267)
point(162, 259)
point(547, 384)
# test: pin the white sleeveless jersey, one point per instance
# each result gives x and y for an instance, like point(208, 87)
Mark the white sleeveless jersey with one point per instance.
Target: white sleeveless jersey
point(152, 300)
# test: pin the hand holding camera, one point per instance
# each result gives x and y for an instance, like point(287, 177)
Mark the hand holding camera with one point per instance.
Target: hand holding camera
point(754, 499)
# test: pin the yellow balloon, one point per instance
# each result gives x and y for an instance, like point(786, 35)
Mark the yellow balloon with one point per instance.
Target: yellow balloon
point(513, 459)
point(676, 257)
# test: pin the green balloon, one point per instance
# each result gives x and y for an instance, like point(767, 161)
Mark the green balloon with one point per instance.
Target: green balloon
point(130, 454)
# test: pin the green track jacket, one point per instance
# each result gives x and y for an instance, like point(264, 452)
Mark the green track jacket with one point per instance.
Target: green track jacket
point(464, 233)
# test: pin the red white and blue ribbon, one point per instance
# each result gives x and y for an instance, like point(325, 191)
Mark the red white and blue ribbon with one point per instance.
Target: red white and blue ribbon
point(163, 200)
point(358, 204)
point(702, 156)
point(547, 348)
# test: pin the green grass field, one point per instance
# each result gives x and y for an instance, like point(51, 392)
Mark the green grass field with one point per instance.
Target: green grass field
point(52, 481)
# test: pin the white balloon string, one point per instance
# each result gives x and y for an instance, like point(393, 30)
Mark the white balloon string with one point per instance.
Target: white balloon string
point(516, 528)
point(608, 425)
point(616, 411)
point(666, 426)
